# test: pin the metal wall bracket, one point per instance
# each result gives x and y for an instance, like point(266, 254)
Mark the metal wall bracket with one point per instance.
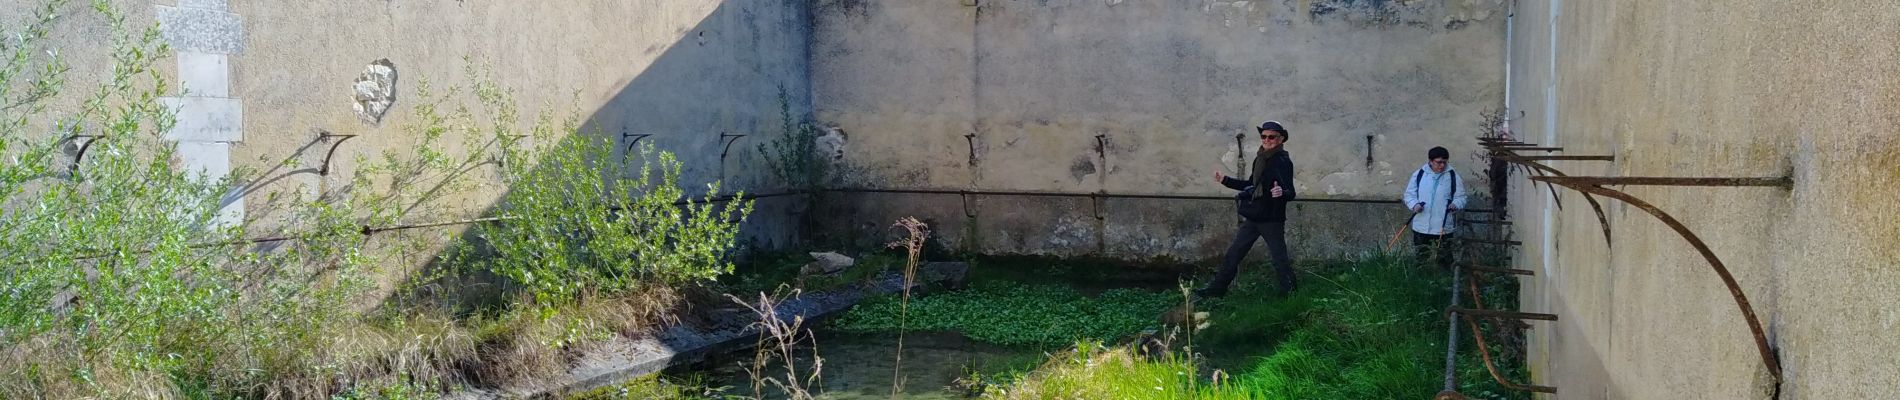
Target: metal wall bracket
point(636, 139)
point(1595, 185)
point(81, 155)
point(1537, 169)
point(728, 139)
point(971, 139)
point(324, 169)
point(503, 161)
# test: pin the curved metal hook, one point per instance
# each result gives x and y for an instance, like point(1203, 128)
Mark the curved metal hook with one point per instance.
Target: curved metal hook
point(636, 139)
point(324, 170)
point(81, 155)
point(1768, 358)
point(734, 138)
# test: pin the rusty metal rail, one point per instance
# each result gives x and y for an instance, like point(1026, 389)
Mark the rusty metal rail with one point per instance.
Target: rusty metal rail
point(1503, 314)
point(1781, 182)
point(1488, 241)
point(1485, 350)
point(1552, 157)
point(1510, 271)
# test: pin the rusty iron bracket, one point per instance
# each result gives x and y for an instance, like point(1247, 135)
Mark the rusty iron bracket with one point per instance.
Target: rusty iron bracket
point(81, 155)
point(728, 139)
point(1484, 349)
point(1594, 184)
point(1603, 220)
point(324, 170)
point(971, 139)
point(637, 137)
point(502, 162)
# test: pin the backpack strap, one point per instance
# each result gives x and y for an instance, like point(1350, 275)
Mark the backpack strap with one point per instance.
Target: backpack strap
point(1454, 187)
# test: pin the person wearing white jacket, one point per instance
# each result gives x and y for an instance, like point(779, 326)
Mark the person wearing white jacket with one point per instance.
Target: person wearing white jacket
point(1433, 193)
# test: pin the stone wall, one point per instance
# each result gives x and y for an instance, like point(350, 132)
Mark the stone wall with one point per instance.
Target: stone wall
point(1136, 96)
point(1714, 89)
point(270, 87)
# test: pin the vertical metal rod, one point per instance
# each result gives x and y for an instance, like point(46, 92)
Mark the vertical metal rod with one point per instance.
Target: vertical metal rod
point(1101, 186)
point(1451, 337)
point(1240, 156)
point(971, 139)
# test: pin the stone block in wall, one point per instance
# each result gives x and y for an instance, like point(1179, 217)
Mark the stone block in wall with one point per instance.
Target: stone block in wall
point(201, 29)
point(204, 74)
point(205, 119)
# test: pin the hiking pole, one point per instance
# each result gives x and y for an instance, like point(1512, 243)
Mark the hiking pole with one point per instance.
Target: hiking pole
point(1391, 245)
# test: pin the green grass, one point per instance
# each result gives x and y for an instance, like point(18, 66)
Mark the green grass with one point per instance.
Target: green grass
point(1015, 314)
point(1368, 329)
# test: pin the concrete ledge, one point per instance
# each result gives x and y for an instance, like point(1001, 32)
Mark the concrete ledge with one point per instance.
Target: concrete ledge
point(628, 358)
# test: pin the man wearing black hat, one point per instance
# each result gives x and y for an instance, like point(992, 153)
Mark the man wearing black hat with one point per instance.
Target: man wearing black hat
point(1262, 202)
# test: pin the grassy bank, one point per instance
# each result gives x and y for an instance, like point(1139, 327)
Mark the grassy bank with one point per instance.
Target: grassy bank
point(1366, 329)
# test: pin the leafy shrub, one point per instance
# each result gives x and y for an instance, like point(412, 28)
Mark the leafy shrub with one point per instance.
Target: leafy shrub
point(574, 230)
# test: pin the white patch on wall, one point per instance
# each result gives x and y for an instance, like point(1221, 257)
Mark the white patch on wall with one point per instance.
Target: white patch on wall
point(830, 145)
point(1237, 162)
point(208, 119)
point(375, 91)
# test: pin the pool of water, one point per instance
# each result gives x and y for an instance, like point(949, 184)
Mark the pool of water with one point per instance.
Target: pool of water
point(860, 366)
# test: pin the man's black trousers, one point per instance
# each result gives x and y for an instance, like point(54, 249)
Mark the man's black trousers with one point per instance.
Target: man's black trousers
point(1275, 235)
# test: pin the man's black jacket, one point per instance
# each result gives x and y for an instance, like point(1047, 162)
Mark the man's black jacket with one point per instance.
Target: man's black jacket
point(1255, 200)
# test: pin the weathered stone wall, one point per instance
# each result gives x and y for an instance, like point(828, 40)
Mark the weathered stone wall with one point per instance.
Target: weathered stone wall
point(1714, 89)
point(256, 83)
point(1143, 96)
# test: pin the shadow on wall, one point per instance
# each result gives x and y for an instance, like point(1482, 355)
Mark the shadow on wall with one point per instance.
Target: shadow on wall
point(713, 97)
point(710, 97)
